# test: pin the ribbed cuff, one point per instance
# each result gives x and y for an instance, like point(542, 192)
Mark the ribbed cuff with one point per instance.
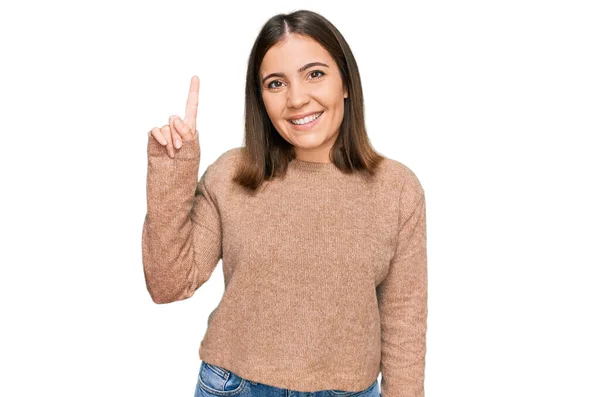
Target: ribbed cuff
point(188, 149)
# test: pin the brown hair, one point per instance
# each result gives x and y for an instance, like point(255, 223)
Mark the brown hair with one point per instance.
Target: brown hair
point(266, 153)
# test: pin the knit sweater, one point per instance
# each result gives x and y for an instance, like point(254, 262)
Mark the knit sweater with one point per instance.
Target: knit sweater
point(325, 272)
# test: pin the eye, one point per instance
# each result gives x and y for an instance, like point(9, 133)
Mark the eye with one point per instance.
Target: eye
point(270, 85)
point(317, 71)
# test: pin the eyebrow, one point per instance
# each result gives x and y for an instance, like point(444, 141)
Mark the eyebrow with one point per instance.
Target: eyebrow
point(302, 69)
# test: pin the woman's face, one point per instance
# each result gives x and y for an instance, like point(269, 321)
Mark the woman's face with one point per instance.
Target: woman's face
point(297, 90)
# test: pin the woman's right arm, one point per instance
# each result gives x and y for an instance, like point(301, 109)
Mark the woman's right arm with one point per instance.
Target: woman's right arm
point(181, 238)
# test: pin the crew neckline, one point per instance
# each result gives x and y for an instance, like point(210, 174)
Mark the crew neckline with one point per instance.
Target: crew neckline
point(304, 165)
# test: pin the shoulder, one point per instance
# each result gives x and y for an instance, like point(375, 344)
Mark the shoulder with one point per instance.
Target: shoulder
point(400, 176)
point(227, 162)
point(222, 169)
point(408, 192)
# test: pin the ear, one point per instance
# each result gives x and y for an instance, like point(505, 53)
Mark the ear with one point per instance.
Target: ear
point(345, 93)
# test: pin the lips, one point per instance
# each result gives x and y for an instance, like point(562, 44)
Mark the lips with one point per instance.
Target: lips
point(314, 116)
point(301, 116)
point(307, 126)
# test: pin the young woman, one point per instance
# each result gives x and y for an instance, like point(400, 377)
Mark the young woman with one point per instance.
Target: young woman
point(322, 240)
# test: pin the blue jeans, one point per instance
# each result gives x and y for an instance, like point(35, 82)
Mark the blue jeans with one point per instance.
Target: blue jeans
point(215, 381)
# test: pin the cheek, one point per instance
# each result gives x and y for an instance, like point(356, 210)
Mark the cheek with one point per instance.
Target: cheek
point(328, 99)
point(272, 107)
point(270, 111)
point(267, 104)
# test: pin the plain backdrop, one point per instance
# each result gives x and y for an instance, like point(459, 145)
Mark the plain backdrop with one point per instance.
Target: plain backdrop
point(493, 104)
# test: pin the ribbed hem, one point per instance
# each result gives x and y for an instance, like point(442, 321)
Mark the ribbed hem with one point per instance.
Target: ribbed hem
point(188, 149)
point(296, 379)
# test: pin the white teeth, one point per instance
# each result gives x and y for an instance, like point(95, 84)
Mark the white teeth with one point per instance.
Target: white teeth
point(307, 119)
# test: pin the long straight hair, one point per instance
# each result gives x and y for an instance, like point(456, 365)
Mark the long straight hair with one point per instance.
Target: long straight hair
point(266, 153)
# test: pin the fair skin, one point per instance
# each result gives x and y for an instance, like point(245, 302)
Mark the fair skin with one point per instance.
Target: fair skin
point(293, 92)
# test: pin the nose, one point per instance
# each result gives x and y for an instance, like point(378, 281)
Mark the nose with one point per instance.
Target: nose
point(297, 96)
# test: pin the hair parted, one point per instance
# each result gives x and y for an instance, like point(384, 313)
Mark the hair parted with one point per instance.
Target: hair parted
point(266, 153)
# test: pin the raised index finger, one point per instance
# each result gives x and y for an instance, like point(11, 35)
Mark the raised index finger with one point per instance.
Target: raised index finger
point(191, 107)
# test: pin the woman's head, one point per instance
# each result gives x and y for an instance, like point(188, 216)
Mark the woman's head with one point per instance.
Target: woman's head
point(279, 87)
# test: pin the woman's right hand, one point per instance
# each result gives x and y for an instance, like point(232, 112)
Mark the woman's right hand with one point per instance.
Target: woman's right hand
point(173, 134)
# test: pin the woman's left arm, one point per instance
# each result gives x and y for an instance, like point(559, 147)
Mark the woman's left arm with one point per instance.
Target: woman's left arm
point(402, 299)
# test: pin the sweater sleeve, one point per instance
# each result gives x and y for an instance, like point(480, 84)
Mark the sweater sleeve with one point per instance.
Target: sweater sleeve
point(402, 300)
point(181, 237)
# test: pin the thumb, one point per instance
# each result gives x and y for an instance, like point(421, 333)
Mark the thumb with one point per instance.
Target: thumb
point(183, 129)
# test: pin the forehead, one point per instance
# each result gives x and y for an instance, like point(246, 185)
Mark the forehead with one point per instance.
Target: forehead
point(292, 53)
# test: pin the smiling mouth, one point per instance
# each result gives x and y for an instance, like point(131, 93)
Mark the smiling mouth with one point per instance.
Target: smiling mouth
point(311, 119)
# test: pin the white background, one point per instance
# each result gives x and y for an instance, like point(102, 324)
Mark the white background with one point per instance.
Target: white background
point(494, 105)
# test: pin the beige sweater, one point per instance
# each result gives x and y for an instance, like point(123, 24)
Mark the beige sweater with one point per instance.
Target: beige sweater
point(325, 273)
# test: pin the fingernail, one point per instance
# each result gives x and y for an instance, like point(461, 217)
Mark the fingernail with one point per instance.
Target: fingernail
point(177, 143)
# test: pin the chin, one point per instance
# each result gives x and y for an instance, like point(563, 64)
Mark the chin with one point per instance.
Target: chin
point(309, 140)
